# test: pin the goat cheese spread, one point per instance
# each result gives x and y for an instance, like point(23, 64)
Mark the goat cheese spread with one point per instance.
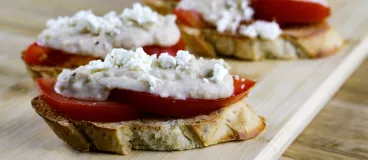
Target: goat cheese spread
point(227, 15)
point(263, 29)
point(88, 34)
point(179, 77)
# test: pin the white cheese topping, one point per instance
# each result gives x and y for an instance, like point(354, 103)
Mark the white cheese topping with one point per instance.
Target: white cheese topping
point(219, 72)
point(139, 15)
point(183, 58)
point(88, 34)
point(236, 77)
point(86, 21)
point(152, 81)
point(179, 77)
point(166, 61)
point(264, 29)
point(134, 60)
point(227, 16)
point(249, 31)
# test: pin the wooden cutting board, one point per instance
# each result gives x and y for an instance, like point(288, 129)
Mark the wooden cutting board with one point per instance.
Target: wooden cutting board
point(289, 93)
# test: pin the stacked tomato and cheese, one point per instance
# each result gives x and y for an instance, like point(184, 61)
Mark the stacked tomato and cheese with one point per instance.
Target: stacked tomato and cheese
point(130, 84)
point(69, 42)
point(254, 29)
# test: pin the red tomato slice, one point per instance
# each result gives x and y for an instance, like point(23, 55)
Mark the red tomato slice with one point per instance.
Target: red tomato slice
point(190, 18)
point(110, 111)
point(35, 54)
point(290, 11)
point(97, 111)
point(40, 55)
point(154, 49)
point(180, 108)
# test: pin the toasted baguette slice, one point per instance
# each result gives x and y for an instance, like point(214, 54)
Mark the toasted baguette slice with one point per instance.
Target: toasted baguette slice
point(37, 71)
point(236, 122)
point(308, 41)
point(312, 41)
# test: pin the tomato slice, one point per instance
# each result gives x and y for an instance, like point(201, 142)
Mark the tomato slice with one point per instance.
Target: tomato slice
point(290, 11)
point(154, 49)
point(112, 111)
point(97, 111)
point(190, 18)
point(40, 55)
point(35, 54)
point(180, 108)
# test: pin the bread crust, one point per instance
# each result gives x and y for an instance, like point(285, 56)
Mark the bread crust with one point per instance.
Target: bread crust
point(38, 71)
point(236, 122)
point(313, 41)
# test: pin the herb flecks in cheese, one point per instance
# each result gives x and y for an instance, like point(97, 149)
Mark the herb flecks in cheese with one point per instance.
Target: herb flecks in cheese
point(97, 66)
point(88, 34)
point(179, 77)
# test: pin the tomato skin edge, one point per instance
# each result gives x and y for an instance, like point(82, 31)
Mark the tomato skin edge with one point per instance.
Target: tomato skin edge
point(96, 111)
point(190, 18)
point(33, 53)
point(154, 49)
point(282, 11)
point(290, 11)
point(36, 54)
point(177, 107)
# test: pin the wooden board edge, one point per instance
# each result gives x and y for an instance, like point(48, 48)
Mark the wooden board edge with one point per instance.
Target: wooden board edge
point(315, 103)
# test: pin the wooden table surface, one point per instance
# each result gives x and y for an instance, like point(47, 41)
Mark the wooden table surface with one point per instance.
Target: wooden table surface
point(340, 131)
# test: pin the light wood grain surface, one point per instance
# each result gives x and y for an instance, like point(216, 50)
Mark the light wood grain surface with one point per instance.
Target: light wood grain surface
point(340, 130)
point(288, 95)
